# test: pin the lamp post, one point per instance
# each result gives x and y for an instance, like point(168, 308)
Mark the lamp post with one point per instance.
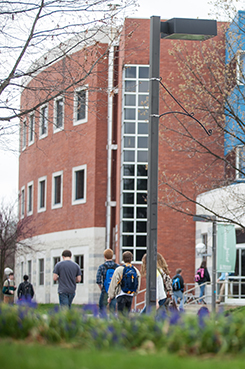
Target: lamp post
point(176, 28)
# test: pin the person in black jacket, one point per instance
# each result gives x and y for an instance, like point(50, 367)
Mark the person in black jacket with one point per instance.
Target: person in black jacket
point(25, 289)
point(204, 277)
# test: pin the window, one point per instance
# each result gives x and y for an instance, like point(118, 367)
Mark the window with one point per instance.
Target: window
point(79, 185)
point(22, 202)
point(241, 68)
point(24, 135)
point(58, 114)
point(80, 106)
point(240, 162)
point(56, 260)
point(30, 198)
point(134, 160)
point(31, 128)
point(29, 265)
point(79, 260)
point(41, 272)
point(57, 189)
point(42, 183)
point(43, 121)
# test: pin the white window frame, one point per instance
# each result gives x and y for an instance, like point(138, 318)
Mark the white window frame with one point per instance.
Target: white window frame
point(82, 269)
point(58, 129)
point(74, 170)
point(39, 209)
point(30, 212)
point(40, 122)
point(22, 202)
point(54, 175)
point(31, 129)
point(238, 174)
point(55, 257)
point(80, 121)
point(24, 134)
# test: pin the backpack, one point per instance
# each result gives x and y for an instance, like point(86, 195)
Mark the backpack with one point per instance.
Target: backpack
point(176, 283)
point(26, 290)
point(109, 273)
point(129, 281)
point(199, 275)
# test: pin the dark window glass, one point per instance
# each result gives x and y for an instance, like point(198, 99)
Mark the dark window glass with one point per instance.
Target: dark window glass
point(128, 227)
point(130, 72)
point(130, 100)
point(143, 128)
point(140, 241)
point(55, 261)
point(79, 259)
point(143, 100)
point(129, 114)
point(143, 72)
point(141, 227)
point(59, 113)
point(128, 155)
point(142, 156)
point(41, 272)
point(128, 170)
point(141, 184)
point(141, 212)
point(143, 142)
point(142, 171)
point(81, 104)
point(129, 128)
point(128, 212)
point(130, 86)
point(30, 199)
point(143, 114)
point(79, 190)
point(142, 198)
point(42, 194)
point(57, 190)
point(128, 198)
point(44, 119)
point(128, 184)
point(140, 254)
point(143, 86)
point(129, 141)
point(31, 128)
point(128, 240)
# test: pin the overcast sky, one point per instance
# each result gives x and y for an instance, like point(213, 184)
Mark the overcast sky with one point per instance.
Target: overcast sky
point(163, 8)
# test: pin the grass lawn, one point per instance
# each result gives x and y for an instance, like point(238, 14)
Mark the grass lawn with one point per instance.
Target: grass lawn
point(36, 356)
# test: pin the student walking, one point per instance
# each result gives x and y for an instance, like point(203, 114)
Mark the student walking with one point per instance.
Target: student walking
point(8, 289)
point(202, 276)
point(125, 284)
point(25, 290)
point(178, 288)
point(67, 273)
point(103, 280)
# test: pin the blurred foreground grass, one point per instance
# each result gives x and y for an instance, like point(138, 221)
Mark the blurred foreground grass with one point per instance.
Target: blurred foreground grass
point(23, 355)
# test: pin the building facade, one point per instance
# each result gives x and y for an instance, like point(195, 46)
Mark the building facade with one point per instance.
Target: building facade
point(84, 157)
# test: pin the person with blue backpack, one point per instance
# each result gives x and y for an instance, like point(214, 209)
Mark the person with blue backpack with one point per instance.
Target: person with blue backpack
point(178, 288)
point(103, 280)
point(125, 284)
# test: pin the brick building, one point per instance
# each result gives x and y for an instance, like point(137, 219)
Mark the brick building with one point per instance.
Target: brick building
point(83, 160)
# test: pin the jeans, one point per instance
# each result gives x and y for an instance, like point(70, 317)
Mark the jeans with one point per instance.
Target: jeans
point(179, 295)
point(103, 302)
point(124, 303)
point(202, 291)
point(66, 299)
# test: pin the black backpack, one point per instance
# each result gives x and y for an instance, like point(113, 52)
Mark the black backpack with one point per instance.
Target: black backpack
point(26, 290)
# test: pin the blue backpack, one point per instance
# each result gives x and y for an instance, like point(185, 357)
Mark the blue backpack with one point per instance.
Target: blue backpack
point(109, 273)
point(176, 283)
point(129, 281)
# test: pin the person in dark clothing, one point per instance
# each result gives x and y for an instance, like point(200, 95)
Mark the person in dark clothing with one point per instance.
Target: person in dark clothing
point(101, 281)
point(178, 288)
point(25, 289)
point(204, 277)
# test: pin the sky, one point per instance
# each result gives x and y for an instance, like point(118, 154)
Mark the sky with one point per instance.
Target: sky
point(166, 10)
